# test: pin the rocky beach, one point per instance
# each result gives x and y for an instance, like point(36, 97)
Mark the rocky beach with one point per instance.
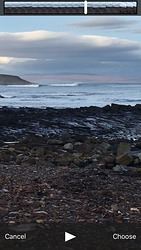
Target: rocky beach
point(70, 165)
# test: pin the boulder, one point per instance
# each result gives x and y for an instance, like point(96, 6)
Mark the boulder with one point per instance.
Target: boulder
point(68, 146)
point(124, 147)
point(119, 168)
point(124, 159)
point(64, 160)
point(104, 146)
point(139, 156)
point(40, 152)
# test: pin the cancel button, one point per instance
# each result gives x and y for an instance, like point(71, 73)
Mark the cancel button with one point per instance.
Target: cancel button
point(15, 236)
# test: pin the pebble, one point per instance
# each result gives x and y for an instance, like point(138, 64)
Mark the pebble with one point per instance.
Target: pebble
point(68, 146)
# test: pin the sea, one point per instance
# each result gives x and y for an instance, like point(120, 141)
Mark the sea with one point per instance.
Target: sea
point(73, 95)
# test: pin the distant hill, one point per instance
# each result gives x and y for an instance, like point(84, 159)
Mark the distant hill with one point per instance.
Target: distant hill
point(12, 79)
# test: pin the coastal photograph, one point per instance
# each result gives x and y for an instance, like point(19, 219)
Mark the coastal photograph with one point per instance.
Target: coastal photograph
point(70, 120)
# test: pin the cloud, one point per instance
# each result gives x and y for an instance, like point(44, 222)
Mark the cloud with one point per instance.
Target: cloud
point(54, 53)
point(7, 60)
point(106, 23)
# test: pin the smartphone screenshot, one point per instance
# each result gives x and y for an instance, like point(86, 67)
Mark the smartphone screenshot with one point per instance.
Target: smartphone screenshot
point(70, 125)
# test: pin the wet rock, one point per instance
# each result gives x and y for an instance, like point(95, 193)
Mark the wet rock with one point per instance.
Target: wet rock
point(64, 160)
point(93, 165)
point(104, 146)
point(82, 162)
point(19, 158)
point(55, 142)
point(40, 214)
point(139, 156)
point(78, 143)
point(4, 190)
point(72, 165)
point(40, 221)
point(11, 222)
point(136, 161)
point(108, 159)
point(135, 169)
point(40, 152)
point(124, 159)
point(124, 147)
point(11, 149)
point(29, 160)
point(77, 155)
point(109, 165)
point(119, 168)
point(68, 146)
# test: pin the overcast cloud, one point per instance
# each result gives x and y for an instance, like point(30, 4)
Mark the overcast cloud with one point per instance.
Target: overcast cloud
point(55, 55)
point(106, 23)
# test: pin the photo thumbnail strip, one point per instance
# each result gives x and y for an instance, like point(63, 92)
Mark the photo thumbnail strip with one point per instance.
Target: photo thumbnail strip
point(70, 8)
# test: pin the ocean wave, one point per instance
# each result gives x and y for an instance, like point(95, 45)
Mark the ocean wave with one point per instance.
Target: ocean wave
point(65, 84)
point(24, 86)
point(127, 100)
point(8, 96)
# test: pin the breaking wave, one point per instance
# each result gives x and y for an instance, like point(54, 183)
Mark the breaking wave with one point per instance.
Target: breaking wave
point(65, 84)
point(8, 96)
point(24, 86)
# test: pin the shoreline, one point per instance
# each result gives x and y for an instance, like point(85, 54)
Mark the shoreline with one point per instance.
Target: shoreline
point(70, 165)
point(109, 122)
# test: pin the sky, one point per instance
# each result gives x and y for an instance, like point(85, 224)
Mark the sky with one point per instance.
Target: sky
point(67, 49)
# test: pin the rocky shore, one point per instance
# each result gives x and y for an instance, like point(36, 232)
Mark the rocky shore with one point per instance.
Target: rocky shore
point(70, 165)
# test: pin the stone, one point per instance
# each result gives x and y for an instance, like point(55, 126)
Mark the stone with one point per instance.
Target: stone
point(72, 165)
point(40, 162)
point(136, 161)
point(11, 149)
point(11, 222)
point(55, 142)
point(139, 156)
point(40, 214)
point(40, 152)
point(39, 221)
point(108, 159)
point(93, 165)
point(64, 160)
point(135, 169)
point(68, 146)
point(124, 147)
point(4, 190)
point(30, 160)
point(124, 159)
point(19, 158)
point(78, 143)
point(104, 146)
point(77, 155)
point(109, 165)
point(119, 168)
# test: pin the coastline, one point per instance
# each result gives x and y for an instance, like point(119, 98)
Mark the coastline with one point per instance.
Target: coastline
point(110, 122)
point(84, 163)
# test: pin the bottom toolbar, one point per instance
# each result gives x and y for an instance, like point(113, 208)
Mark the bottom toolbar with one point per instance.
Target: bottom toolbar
point(70, 236)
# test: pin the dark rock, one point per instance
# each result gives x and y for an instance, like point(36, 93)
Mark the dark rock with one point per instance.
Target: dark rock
point(119, 168)
point(124, 159)
point(68, 146)
point(124, 147)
